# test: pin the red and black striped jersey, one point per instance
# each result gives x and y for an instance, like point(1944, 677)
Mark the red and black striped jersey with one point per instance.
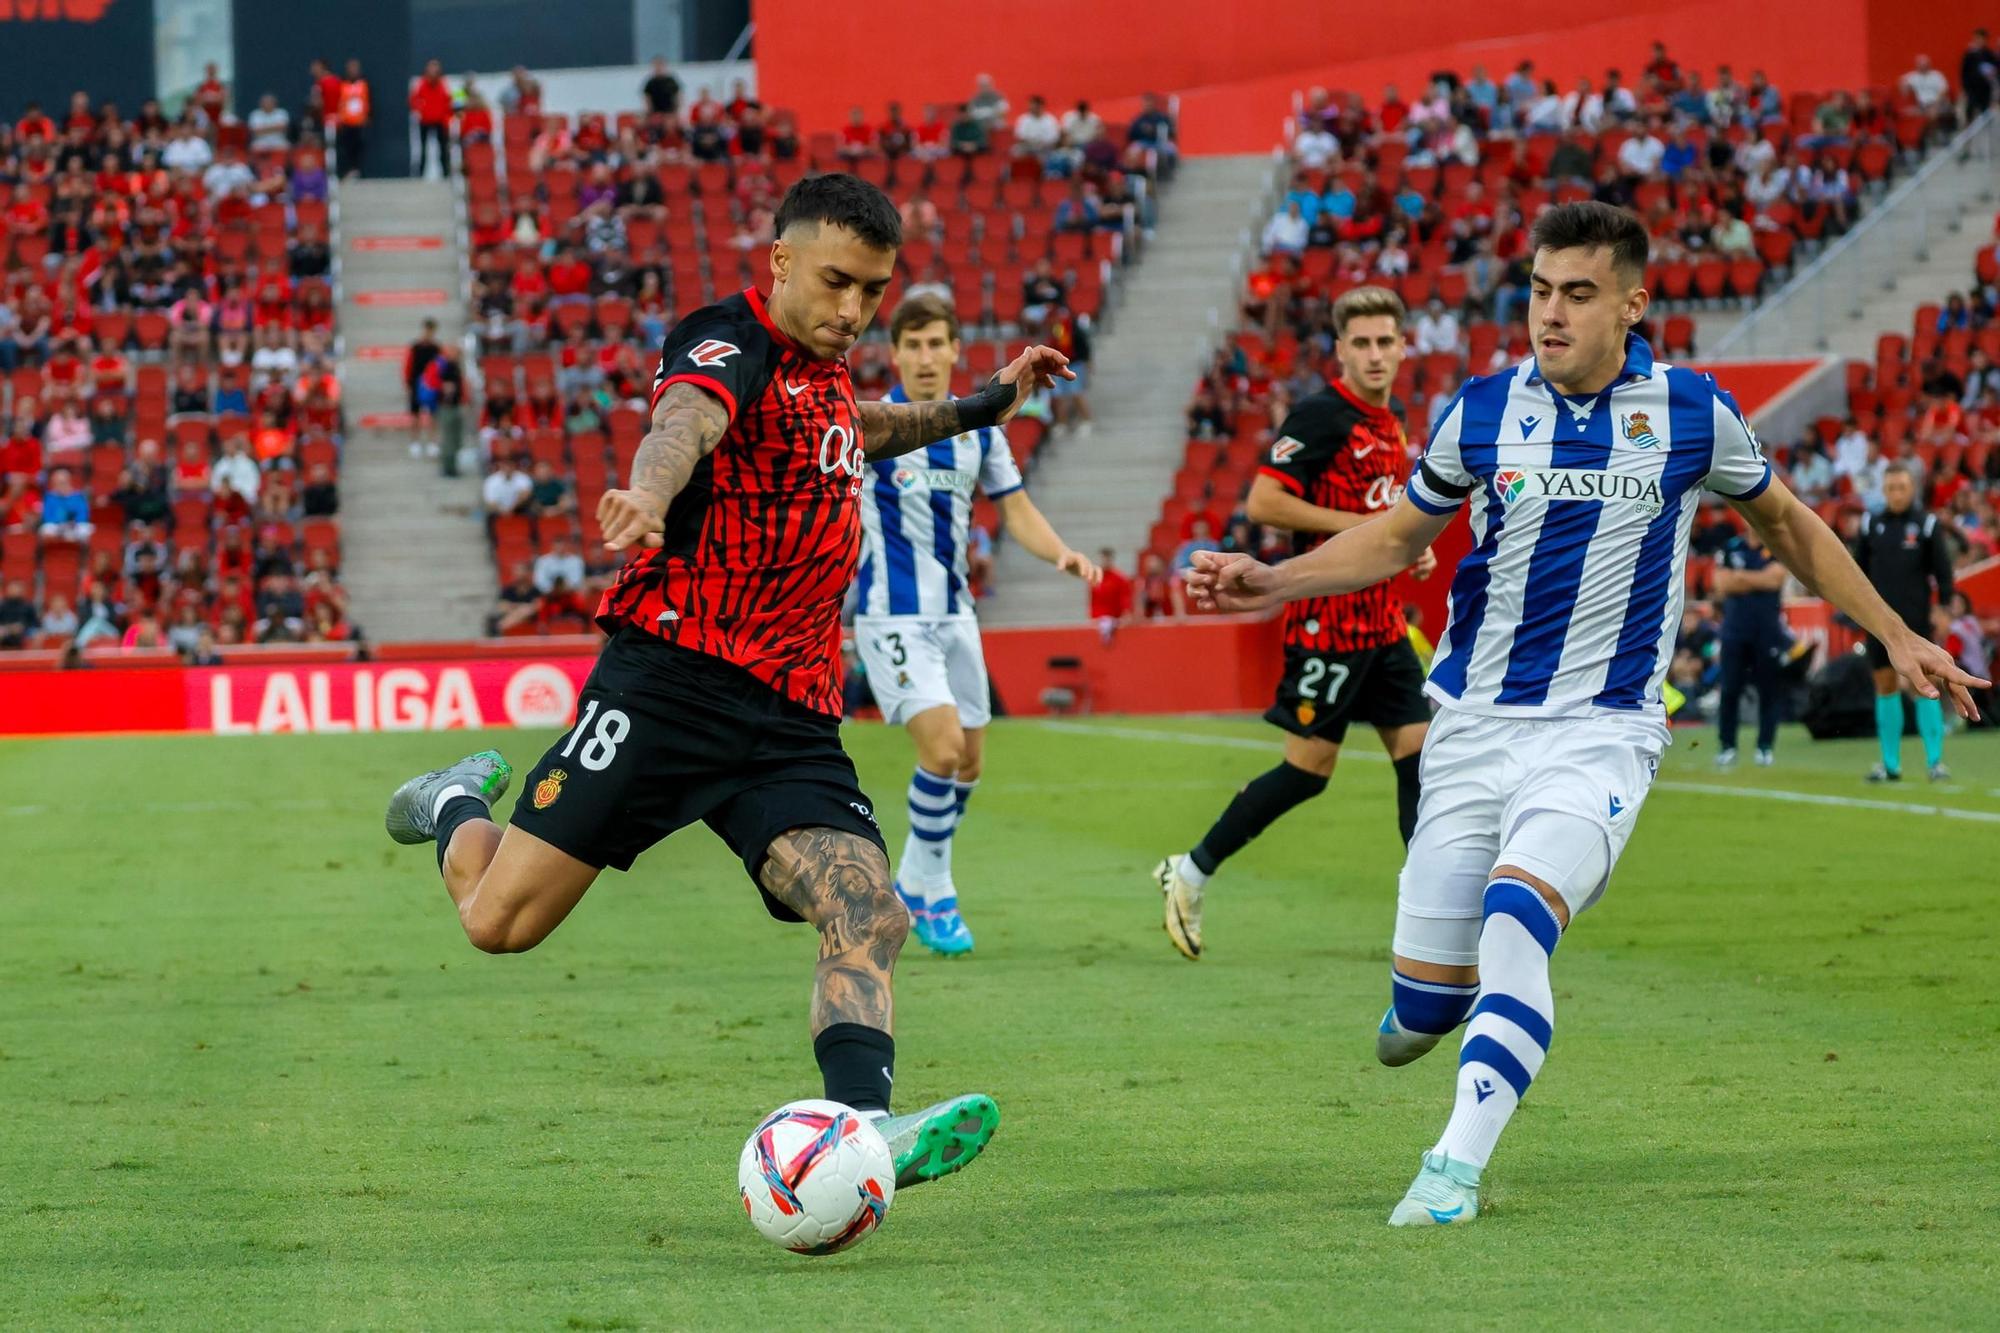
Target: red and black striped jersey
point(1338, 452)
point(761, 544)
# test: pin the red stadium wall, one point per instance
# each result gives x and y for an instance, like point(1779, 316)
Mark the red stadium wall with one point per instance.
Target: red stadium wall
point(1236, 67)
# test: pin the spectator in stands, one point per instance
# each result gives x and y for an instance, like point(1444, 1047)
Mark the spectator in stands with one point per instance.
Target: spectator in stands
point(1573, 161)
point(320, 497)
point(281, 610)
point(969, 135)
point(20, 507)
point(1151, 135)
point(516, 604)
point(1436, 329)
point(430, 103)
point(1761, 100)
point(894, 137)
point(1037, 133)
point(1110, 597)
point(1583, 107)
point(66, 435)
point(350, 117)
point(1315, 147)
point(1201, 538)
point(1069, 400)
point(270, 125)
point(107, 421)
point(1640, 156)
point(1811, 473)
point(1161, 592)
point(1205, 418)
point(1078, 210)
point(1982, 382)
point(1978, 74)
point(142, 494)
point(506, 489)
point(58, 620)
point(65, 510)
point(708, 138)
point(857, 139)
point(987, 104)
point(236, 469)
point(187, 151)
point(559, 566)
point(661, 90)
point(1930, 91)
point(1081, 127)
point(1041, 290)
point(17, 615)
point(551, 495)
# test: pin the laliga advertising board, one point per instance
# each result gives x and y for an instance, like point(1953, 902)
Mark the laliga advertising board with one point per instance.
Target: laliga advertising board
point(326, 700)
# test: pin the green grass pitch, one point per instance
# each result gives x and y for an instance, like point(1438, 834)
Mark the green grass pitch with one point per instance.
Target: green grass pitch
point(254, 1077)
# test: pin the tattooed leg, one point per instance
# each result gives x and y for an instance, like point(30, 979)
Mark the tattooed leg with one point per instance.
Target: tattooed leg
point(840, 882)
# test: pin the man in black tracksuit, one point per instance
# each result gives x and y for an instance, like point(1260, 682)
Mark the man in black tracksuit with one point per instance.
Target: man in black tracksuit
point(1754, 641)
point(1907, 556)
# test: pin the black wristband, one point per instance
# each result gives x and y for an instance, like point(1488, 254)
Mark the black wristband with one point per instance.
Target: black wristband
point(984, 408)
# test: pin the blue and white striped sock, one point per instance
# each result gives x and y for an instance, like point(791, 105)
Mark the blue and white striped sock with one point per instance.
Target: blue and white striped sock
point(1508, 1036)
point(1430, 1007)
point(964, 791)
point(925, 870)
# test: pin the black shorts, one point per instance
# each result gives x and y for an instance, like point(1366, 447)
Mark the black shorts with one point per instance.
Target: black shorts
point(1878, 655)
point(1322, 692)
point(666, 736)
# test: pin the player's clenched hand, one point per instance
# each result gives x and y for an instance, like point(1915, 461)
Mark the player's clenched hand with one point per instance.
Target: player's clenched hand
point(1426, 565)
point(1036, 368)
point(630, 518)
point(1923, 664)
point(1081, 565)
point(1231, 582)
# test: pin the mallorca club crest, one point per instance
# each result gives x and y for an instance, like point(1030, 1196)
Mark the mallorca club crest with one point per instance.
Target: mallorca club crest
point(1640, 431)
point(549, 788)
point(1508, 483)
point(1306, 714)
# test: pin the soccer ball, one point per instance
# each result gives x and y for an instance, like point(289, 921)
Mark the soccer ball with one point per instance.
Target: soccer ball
point(816, 1177)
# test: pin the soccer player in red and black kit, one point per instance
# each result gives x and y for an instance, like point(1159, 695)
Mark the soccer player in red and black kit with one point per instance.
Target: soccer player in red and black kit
point(718, 695)
point(1339, 460)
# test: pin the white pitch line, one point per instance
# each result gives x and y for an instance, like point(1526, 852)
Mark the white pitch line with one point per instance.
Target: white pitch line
point(1692, 788)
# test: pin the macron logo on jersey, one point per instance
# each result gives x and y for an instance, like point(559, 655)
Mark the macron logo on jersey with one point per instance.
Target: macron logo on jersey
point(1286, 449)
point(713, 352)
point(1511, 484)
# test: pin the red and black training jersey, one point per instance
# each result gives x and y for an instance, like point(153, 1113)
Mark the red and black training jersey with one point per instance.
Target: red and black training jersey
point(761, 544)
point(1338, 452)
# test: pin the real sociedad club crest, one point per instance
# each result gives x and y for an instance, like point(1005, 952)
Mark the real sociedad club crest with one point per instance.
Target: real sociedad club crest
point(1640, 431)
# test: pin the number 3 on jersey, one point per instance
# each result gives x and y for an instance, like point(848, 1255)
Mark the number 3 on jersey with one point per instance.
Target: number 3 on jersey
point(1317, 669)
point(602, 747)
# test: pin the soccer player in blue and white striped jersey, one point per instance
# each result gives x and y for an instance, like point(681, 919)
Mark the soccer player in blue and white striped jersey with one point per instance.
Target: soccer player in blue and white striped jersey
point(1583, 465)
point(914, 624)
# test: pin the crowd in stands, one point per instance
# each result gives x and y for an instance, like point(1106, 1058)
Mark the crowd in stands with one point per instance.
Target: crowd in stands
point(590, 234)
point(170, 421)
point(1433, 197)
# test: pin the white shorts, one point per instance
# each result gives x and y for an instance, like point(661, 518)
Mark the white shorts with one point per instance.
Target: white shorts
point(916, 663)
point(1482, 779)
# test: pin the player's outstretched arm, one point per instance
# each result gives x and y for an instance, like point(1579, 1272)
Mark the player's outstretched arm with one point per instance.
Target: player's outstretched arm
point(1806, 546)
point(1027, 525)
point(1358, 558)
point(890, 429)
point(688, 422)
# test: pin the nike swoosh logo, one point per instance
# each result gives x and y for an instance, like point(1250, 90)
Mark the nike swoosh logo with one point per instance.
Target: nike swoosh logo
point(795, 389)
point(1359, 452)
point(1437, 1216)
point(667, 616)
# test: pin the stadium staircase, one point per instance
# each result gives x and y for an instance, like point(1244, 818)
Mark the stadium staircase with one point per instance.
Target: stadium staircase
point(1103, 489)
point(415, 568)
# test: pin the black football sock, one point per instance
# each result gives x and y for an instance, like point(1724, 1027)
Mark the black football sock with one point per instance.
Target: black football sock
point(457, 811)
point(1255, 808)
point(857, 1065)
point(1407, 790)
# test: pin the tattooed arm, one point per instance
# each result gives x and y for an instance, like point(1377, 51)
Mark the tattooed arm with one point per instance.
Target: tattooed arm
point(687, 424)
point(840, 882)
point(889, 429)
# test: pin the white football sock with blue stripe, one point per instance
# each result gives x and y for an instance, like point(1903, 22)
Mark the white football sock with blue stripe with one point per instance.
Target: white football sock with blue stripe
point(925, 870)
point(1508, 1035)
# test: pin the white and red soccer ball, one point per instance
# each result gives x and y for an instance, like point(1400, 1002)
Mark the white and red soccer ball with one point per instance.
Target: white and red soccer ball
point(816, 1177)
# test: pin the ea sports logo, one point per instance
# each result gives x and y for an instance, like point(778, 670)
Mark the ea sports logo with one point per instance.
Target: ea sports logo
point(1508, 483)
point(539, 696)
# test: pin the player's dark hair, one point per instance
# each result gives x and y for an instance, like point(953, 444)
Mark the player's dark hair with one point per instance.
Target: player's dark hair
point(841, 200)
point(1590, 225)
point(920, 312)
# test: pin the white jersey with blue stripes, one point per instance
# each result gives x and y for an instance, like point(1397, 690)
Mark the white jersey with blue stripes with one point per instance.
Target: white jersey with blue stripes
point(916, 516)
point(1570, 599)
